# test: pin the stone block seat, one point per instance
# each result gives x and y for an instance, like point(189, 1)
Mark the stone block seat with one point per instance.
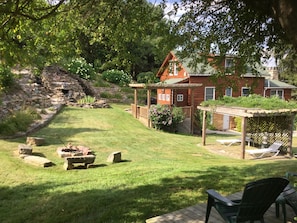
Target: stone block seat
point(85, 159)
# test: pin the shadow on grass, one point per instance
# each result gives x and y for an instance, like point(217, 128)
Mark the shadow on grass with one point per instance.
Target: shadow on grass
point(45, 202)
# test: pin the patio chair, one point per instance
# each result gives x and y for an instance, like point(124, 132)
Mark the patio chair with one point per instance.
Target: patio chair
point(230, 142)
point(272, 150)
point(256, 199)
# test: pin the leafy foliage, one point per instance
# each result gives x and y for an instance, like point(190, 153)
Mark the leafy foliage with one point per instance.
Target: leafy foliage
point(247, 28)
point(6, 78)
point(80, 67)
point(164, 117)
point(252, 101)
point(147, 77)
point(128, 35)
point(124, 35)
point(117, 77)
point(18, 121)
point(87, 100)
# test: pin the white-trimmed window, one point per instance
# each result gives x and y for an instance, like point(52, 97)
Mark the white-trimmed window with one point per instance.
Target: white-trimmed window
point(167, 97)
point(160, 97)
point(179, 97)
point(209, 93)
point(228, 91)
point(229, 65)
point(245, 91)
point(279, 93)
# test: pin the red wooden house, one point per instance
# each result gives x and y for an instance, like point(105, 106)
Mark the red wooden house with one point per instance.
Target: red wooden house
point(230, 83)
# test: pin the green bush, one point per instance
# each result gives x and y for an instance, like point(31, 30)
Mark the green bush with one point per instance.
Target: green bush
point(105, 95)
point(80, 67)
point(99, 82)
point(6, 78)
point(87, 100)
point(164, 117)
point(178, 116)
point(252, 101)
point(147, 77)
point(118, 77)
point(18, 121)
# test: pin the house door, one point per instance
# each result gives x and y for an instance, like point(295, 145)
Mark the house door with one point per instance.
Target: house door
point(226, 120)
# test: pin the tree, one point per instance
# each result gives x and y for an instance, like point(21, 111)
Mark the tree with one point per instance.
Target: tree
point(244, 27)
point(128, 35)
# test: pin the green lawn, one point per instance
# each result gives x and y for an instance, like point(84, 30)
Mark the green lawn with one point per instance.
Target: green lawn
point(160, 172)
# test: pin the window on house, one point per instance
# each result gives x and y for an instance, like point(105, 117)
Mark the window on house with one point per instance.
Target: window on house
point(167, 97)
point(209, 93)
point(228, 91)
point(245, 91)
point(278, 93)
point(160, 97)
point(229, 65)
point(179, 97)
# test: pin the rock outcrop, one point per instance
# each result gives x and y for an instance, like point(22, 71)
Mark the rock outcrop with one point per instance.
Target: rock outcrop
point(47, 93)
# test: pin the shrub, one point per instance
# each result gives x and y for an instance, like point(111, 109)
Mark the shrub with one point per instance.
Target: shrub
point(117, 77)
point(105, 95)
point(80, 67)
point(18, 121)
point(164, 117)
point(99, 82)
point(147, 77)
point(87, 100)
point(178, 116)
point(6, 78)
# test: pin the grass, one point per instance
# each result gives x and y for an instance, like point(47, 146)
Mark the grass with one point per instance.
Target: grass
point(160, 172)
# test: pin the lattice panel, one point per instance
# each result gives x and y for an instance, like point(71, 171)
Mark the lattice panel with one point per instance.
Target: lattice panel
point(271, 128)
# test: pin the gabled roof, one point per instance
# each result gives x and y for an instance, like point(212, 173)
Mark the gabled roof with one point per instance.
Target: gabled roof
point(278, 84)
point(168, 57)
point(196, 68)
point(199, 69)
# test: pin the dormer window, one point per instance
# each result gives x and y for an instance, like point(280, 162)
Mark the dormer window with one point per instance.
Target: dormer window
point(172, 68)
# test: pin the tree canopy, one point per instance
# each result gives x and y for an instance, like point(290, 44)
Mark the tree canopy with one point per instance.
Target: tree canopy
point(128, 35)
point(248, 28)
point(133, 35)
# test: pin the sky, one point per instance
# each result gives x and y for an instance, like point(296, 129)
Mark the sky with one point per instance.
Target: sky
point(169, 4)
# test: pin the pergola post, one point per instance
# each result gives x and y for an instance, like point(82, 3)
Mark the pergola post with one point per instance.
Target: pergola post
point(204, 128)
point(135, 102)
point(291, 135)
point(243, 136)
point(192, 111)
point(148, 107)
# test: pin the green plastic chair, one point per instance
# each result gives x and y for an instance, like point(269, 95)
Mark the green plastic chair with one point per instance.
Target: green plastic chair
point(288, 197)
point(257, 197)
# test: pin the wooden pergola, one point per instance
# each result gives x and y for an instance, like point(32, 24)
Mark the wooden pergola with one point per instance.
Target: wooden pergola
point(246, 113)
point(149, 87)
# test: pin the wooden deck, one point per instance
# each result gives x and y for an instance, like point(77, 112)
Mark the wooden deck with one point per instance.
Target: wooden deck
point(196, 214)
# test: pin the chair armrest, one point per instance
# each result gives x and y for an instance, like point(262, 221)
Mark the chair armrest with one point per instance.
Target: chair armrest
point(217, 197)
point(291, 174)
